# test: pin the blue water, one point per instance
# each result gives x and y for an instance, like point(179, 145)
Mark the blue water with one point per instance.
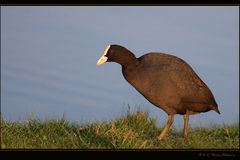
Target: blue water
point(48, 58)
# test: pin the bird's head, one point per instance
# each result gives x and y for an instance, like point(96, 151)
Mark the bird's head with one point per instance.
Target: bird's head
point(116, 53)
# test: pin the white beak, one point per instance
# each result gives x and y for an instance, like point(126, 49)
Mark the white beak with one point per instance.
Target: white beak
point(103, 58)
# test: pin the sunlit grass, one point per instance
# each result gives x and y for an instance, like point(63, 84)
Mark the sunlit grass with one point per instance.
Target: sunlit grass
point(132, 131)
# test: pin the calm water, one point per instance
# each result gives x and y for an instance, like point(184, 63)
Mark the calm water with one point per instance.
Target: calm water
point(48, 57)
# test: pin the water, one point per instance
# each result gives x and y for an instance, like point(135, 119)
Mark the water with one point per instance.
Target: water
point(48, 57)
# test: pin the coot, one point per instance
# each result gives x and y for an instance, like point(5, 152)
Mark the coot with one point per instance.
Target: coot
point(166, 81)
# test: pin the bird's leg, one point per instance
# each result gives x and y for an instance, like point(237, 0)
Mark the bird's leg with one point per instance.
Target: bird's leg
point(166, 128)
point(185, 130)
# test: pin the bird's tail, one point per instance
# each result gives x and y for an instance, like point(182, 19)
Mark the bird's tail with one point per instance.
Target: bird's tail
point(217, 110)
point(215, 107)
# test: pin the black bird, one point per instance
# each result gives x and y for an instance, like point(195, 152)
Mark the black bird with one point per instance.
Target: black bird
point(166, 81)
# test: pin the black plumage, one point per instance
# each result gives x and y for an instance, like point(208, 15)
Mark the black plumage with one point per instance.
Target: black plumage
point(166, 81)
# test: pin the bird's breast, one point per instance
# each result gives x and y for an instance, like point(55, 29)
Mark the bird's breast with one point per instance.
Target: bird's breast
point(151, 86)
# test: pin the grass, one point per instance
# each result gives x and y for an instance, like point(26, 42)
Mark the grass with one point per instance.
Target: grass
point(132, 131)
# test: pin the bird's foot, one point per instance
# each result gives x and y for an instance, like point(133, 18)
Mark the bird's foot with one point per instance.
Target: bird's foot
point(161, 137)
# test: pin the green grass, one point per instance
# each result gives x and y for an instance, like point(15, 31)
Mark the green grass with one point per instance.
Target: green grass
point(132, 131)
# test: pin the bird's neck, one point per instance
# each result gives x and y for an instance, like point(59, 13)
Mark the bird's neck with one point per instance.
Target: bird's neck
point(128, 61)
